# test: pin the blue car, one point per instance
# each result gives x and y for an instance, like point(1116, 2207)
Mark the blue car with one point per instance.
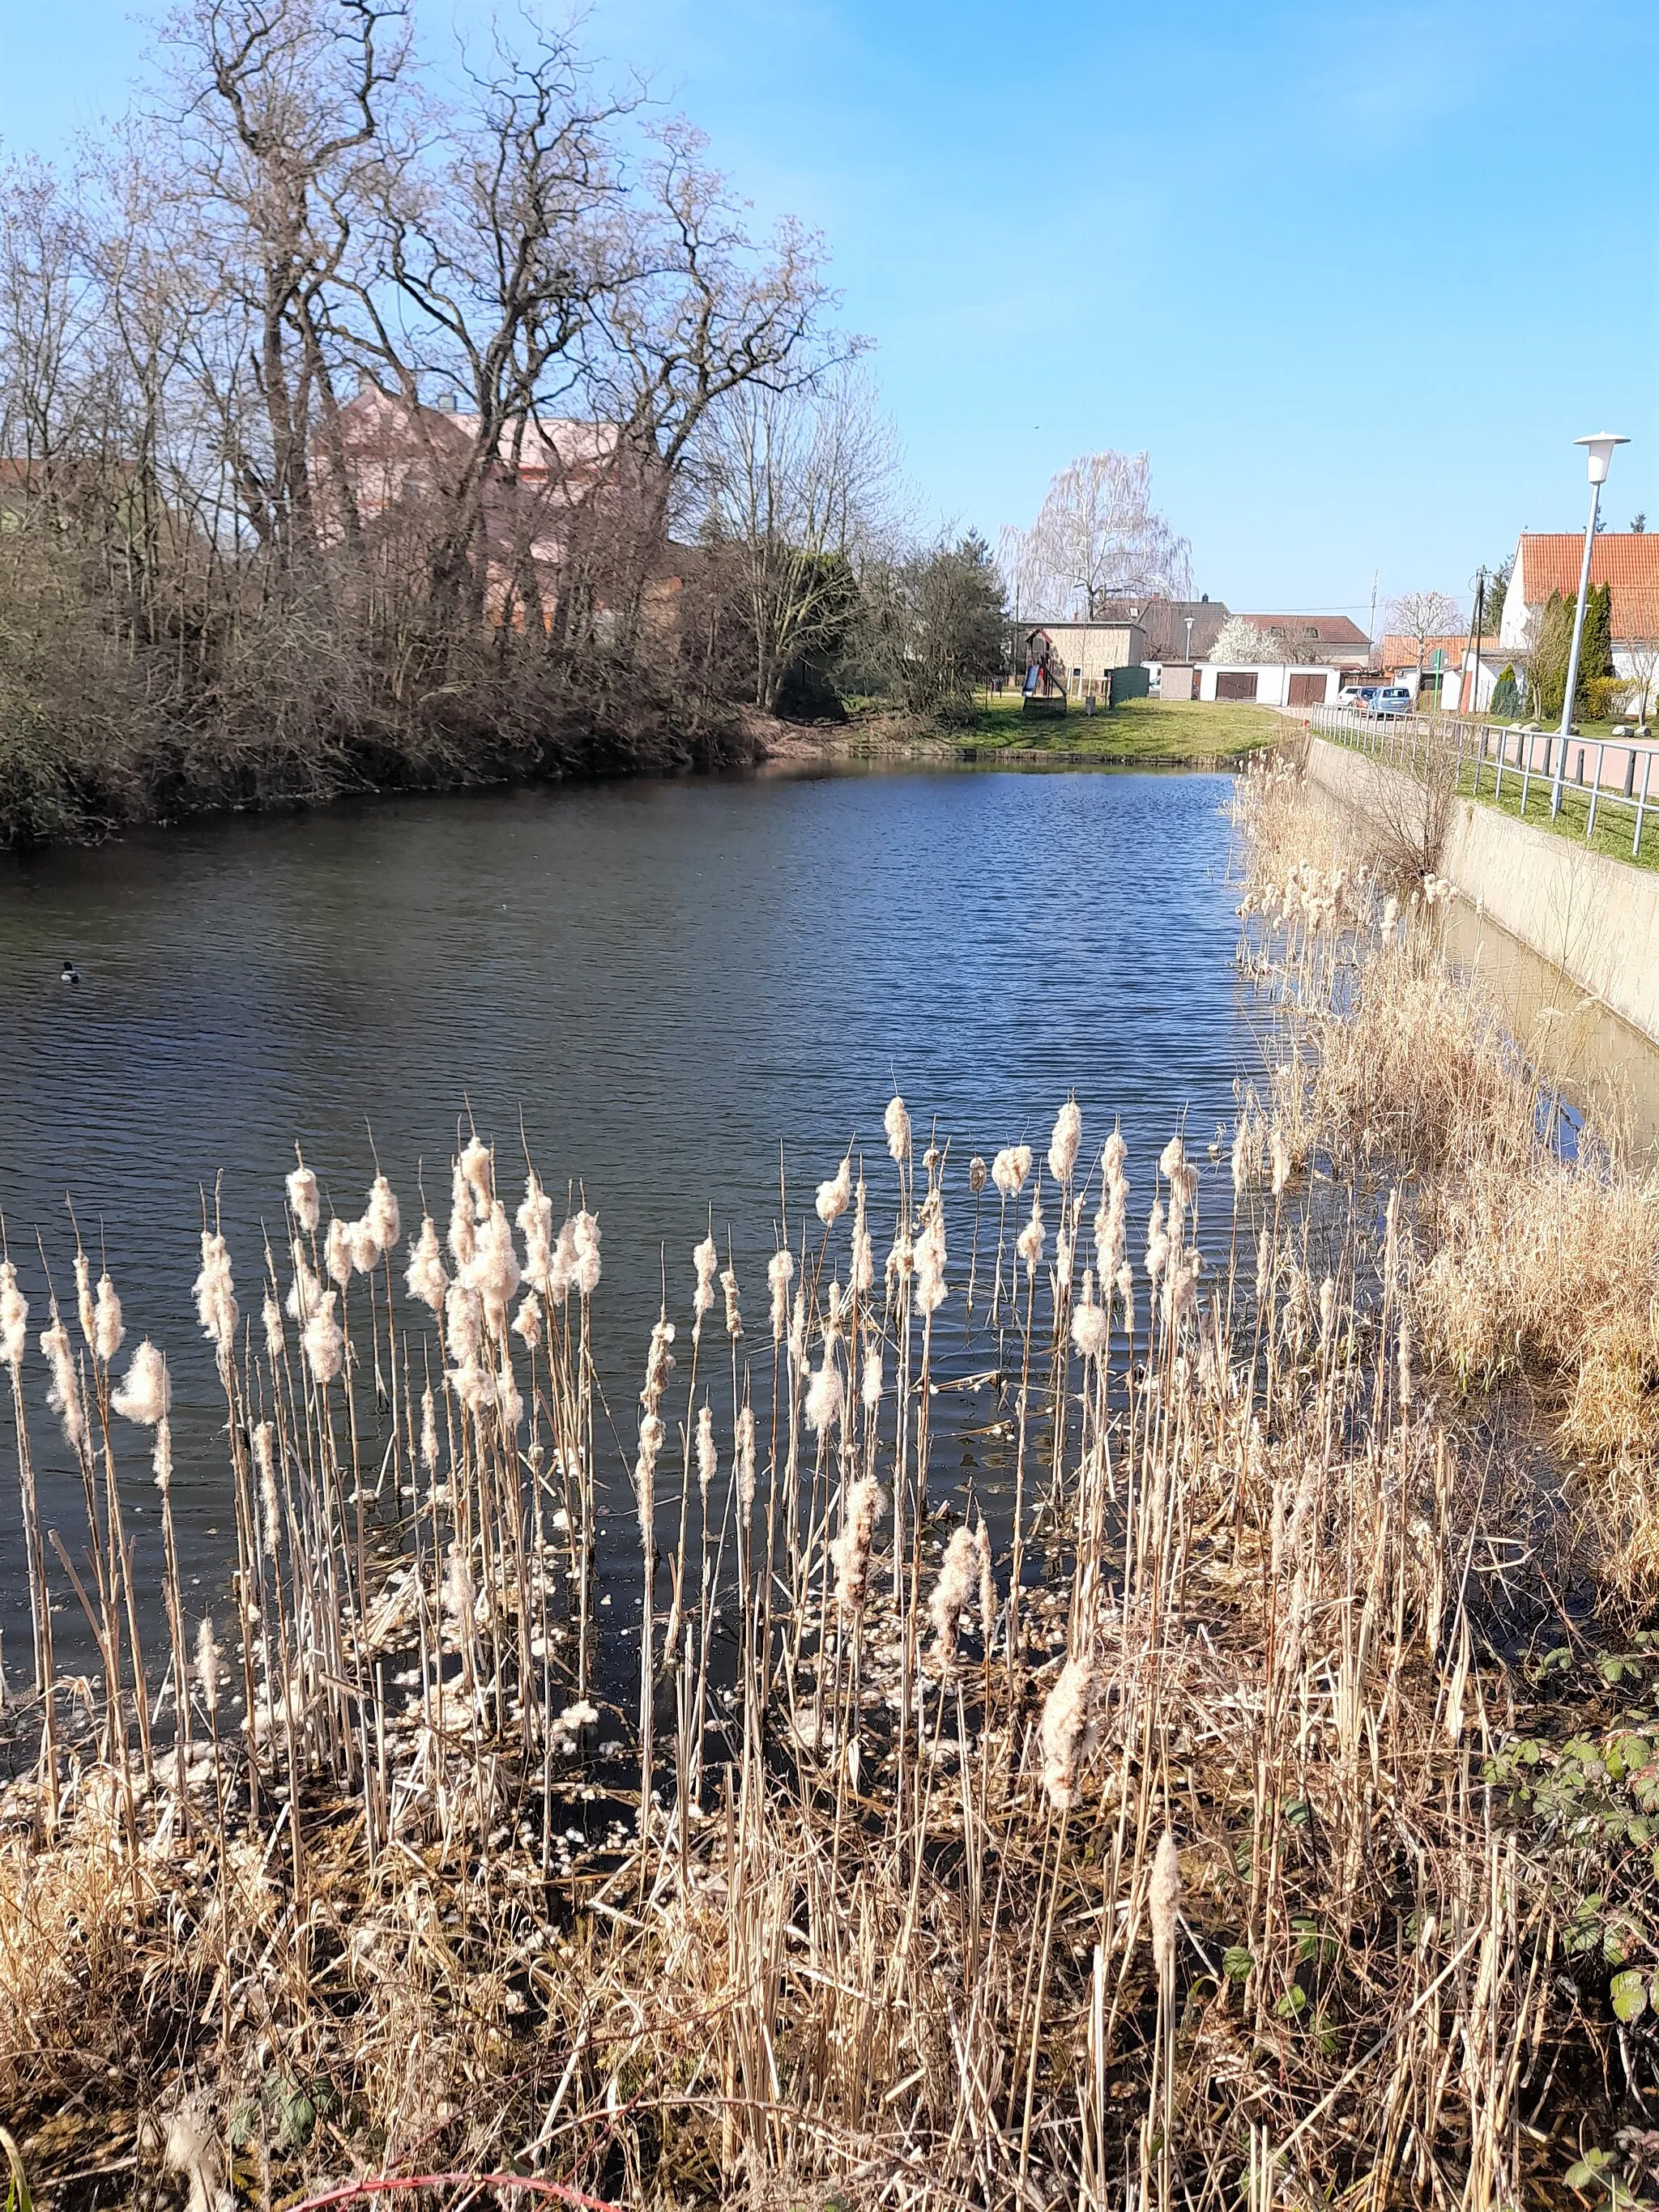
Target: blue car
point(1389, 699)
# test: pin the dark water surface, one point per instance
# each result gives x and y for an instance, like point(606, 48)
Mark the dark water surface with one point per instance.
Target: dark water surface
point(664, 980)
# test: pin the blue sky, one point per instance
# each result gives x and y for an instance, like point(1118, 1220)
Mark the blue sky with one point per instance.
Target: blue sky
point(1355, 278)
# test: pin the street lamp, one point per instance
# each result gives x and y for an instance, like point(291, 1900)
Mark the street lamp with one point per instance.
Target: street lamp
point(1600, 455)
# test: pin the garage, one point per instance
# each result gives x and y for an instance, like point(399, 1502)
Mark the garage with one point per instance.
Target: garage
point(1308, 690)
point(1235, 684)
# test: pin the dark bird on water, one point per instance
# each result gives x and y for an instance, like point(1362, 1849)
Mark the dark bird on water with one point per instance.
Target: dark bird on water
point(71, 974)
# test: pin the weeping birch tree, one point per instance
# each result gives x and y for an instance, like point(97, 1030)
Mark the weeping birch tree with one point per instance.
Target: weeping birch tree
point(1097, 538)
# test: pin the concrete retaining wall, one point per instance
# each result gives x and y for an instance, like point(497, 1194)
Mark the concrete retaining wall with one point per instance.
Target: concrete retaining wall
point(1597, 920)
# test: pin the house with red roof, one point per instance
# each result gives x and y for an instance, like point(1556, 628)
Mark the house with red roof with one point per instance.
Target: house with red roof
point(1627, 561)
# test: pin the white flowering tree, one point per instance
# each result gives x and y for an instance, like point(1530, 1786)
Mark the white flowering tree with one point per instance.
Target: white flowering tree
point(1244, 644)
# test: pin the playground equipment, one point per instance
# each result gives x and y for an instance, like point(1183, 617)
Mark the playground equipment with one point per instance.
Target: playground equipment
point(1045, 676)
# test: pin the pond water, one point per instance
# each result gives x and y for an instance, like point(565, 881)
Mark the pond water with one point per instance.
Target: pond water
point(662, 983)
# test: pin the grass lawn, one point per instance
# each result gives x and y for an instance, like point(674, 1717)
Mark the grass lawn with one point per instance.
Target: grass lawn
point(1616, 820)
point(1138, 730)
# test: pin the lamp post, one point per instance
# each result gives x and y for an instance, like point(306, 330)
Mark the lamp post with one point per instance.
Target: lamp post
point(1600, 455)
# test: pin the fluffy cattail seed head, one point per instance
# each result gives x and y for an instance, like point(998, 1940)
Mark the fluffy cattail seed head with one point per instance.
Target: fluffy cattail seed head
point(108, 1330)
point(585, 1239)
point(780, 1273)
point(1010, 1169)
point(706, 1259)
point(477, 1172)
point(463, 1231)
point(1164, 1902)
point(215, 1300)
point(977, 1172)
point(337, 1252)
point(207, 1664)
point(958, 1579)
point(896, 1122)
point(870, 1387)
point(265, 1459)
point(1091, 1327)
point(323, 1341)
point(84, 1294)
point(1028, 1243)
point(13, 1317)
point(535, 1220)
point(849, 1554)
point(707, 1458)
point(63, 1390)
point(425, 1278)
point(305, 1289)
point(745, 1459)
point(145, 1394)
point(1064, 1143)
point(824, 1395)
point(304, 1201)
point(383, 1214)
point(834, 1195)
point(1067, 1731)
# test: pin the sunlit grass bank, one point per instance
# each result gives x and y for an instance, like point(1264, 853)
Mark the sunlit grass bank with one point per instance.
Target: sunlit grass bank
point(1138, 730)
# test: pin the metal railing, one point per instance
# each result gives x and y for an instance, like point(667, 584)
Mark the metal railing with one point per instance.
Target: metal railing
point(1621, 771)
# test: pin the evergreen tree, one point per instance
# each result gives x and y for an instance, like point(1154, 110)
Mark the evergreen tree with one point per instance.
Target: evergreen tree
point(1595, 655)
point(1548, 672)
point(950, 628)
point(1506, 695)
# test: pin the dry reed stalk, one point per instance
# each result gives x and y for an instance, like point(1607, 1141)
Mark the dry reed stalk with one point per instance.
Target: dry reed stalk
point(870, 1965)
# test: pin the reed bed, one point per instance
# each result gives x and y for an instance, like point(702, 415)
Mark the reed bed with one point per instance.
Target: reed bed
point(1229, 1821)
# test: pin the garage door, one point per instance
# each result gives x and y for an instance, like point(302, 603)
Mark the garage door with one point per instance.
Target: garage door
point(1307, 691)
point(1235, 684)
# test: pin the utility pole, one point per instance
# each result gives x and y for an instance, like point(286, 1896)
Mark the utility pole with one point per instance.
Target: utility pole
point(1479, 615)
point(1371, 634)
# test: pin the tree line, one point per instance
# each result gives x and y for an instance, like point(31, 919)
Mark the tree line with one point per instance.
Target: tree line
point(198, 604)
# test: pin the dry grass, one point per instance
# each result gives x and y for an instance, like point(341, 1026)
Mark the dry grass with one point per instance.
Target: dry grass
point(1195, 1863)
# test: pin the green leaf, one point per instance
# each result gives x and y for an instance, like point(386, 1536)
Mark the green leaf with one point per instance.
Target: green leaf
point(1293, 2001)
point(1630, 1994)
point(17, 2197)
point(1297, 1812)
point(1236, 1963)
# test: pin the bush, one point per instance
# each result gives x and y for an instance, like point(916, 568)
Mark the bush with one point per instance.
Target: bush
point(1602, 697)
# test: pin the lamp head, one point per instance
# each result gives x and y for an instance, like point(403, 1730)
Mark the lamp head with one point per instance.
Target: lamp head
point(1601, 453)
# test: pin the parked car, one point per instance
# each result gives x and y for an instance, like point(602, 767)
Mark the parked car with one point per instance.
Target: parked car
point(1389, 699)
point(1357, 696)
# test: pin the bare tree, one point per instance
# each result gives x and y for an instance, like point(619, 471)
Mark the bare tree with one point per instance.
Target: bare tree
point(1097, 538)
point(1642, 653)
point(800, 486)
point(1420, 616)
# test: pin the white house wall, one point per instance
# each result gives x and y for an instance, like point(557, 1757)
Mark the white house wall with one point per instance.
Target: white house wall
point(1273, 679)
point(1512, 622)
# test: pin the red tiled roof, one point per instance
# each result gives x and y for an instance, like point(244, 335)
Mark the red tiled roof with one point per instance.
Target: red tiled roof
point(1399, 652)
point(1628, 560)
point(1328, 629)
